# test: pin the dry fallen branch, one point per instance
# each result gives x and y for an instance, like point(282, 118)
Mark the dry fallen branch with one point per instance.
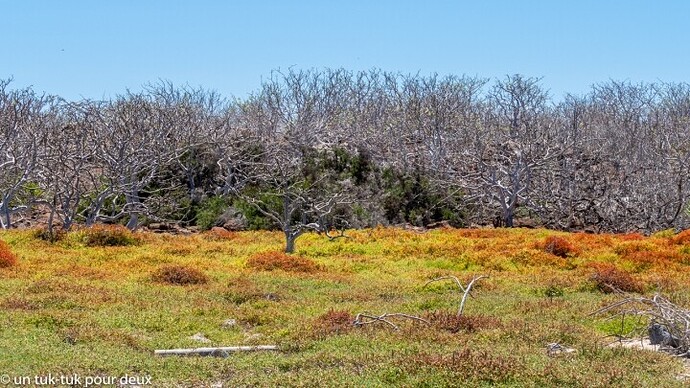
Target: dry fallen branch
point(216, 352)
point(465, 291)
point(669, 324)
point(364, 319)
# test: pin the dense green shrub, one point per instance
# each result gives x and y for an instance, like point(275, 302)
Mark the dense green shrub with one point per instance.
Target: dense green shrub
point(411, 198)
point(209, 210)
point(255, 219)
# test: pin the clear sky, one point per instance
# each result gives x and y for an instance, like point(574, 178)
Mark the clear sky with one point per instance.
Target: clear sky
point(99, 48)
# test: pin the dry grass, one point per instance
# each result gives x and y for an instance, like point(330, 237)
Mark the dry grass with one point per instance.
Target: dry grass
point(7, 258)
point(106, 236)
point(271, 261)
point(469, 365)
point(559, 246)
point(608, 278)
point(242, 290)
point(681, 238)
point(452, 323)
point(179, 275)
point(333, 322)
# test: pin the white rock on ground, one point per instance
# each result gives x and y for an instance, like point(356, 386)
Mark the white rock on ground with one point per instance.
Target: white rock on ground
point(199, 337)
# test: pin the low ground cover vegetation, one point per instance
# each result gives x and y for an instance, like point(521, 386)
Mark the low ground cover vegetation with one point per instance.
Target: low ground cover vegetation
point(99, 305)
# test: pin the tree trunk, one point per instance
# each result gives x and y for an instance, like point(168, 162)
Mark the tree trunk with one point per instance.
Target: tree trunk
point(133, 222)
point(508, 217)
point(132, 199)
point(290, 238)
point(5, 220)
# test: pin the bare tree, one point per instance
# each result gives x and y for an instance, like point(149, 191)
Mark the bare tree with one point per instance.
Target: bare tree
point(66, 172)
point(134, 148)
point(511, 148)
point(285, 126)
point(22, 113)
point(308, 144)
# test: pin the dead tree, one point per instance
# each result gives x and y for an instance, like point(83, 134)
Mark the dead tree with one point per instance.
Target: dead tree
point(275, 184)
point(513, 147)
point(67, 173)
point(284, 128)
point(22, 134)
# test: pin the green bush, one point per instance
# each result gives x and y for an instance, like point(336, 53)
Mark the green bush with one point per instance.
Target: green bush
point(209, 210)
point(411, 198)
point(255, 219)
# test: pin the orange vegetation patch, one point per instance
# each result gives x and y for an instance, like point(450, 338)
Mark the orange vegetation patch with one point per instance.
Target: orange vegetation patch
point(592, 241)
point(270, 261)
point(481, 233)
point(7, 258)
point(559, 246)
point(179, 275)
point(653, 259)
point(629, 247)
point(333, 322)
point(608, 278)
point(631, 236)
point(681, 238)
point(648, 255)
point(218, 234)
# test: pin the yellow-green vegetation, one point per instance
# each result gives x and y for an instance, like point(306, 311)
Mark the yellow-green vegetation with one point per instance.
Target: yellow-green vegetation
point(95, 307)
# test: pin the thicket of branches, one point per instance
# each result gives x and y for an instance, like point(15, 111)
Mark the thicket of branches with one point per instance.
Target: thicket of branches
point(323, 149)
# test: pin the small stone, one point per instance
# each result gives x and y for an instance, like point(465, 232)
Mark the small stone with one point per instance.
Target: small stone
point(252, 337)
point(199, 337)
point(272, 297)
point(555, 349)
point(229, 323)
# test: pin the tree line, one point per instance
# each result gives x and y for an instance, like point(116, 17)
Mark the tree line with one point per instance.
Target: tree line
point(329, 149)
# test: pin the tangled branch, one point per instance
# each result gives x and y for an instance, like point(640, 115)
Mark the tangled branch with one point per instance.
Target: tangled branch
point(364, 319)
point(669, 324)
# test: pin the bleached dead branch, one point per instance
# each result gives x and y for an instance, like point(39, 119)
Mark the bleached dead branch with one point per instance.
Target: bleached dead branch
point(465, 291)
point(669, 324)
point(364, 319)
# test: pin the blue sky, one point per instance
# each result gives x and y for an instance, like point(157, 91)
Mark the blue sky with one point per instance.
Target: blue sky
point(96, 49)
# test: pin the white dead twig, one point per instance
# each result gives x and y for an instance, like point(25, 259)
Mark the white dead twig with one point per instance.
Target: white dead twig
point(465, 291)
point(364, 319)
